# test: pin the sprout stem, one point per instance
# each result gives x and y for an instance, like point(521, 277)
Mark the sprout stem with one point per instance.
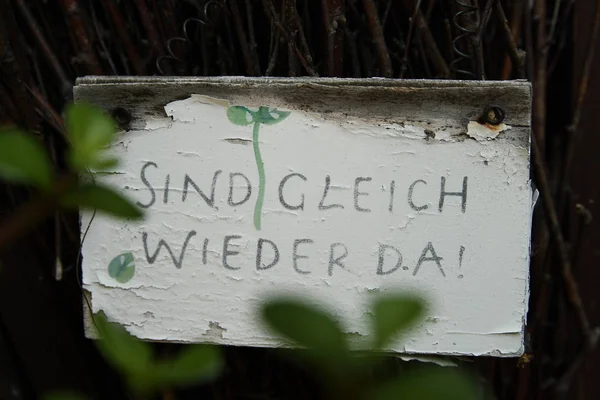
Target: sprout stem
point(261, 176)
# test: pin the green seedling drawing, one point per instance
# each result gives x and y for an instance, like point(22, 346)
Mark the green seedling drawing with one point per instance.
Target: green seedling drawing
point(122, 267)
point(243, 116)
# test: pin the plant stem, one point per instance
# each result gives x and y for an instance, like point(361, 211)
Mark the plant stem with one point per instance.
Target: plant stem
point(261, 176)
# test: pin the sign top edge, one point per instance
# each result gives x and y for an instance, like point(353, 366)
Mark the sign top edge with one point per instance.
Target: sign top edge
point(106, 80)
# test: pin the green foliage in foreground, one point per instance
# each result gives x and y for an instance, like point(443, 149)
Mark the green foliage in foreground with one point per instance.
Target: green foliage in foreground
point(195, 364)
point(344, 370)
point(90, 131)
point(347, 372)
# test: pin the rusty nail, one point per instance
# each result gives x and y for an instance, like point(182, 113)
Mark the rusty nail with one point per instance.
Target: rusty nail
point(122, 116)
point(493, 115)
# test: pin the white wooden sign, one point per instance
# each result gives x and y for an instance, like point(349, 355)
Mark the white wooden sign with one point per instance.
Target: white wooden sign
point(331, 189)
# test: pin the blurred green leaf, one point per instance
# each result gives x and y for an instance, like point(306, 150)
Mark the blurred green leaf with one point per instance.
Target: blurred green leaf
point(195, 364)
point(442, 383)
point(393, 314)
point(91, 131)
point(271, 117)
point(240, 115)
point(102, 165)
point(305, 325)
point(126, 353)
point(63, 395)
point(324, 343)
point(24, 160)
point(103, 199)
point(122, 267)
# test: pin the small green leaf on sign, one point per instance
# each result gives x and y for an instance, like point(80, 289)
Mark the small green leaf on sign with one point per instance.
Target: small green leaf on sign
point(195, 364)
point(240, 115)
point(393, 314)
point(442, 383)
point(91, 130)
point(23, 160)
point(103, 199)
point(126, 353)
point(122, 267)
point(271, 117)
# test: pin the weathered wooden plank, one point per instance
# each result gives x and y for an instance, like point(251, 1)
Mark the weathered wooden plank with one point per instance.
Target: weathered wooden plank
point(352, 187)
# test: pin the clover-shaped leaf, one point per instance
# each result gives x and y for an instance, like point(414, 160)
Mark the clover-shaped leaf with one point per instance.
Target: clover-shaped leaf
point(122, 267)
point(240, 115)
point(271, 117)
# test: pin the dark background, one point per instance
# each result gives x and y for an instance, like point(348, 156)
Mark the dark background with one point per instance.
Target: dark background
point(45, 45)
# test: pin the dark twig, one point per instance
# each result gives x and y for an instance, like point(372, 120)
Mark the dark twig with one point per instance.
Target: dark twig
point(48, 112)
point(429, 44)
point(65, 82)
point(287, 15)
point(149, 27)
point(554, 23)
point(100, 36)
point(385, 63)
point(485, 18)
point(241, 34)
point(252, 36)
point(274, 50)
point(409, 36)
point(582, 89)
point(516, 20)
point(571, 288)
point(303, 42)
point(516, 59)
point(353, 51)
point(130, 49)
point(274, 17)
point(78, 26)
point(584, 81)
point(539, 80)
point(334, 20)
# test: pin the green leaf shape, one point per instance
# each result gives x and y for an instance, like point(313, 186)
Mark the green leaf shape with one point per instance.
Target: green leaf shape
point(122, 267)
point(324, 343)
point(392, 314)
point(303, 324)
point(101, 198)
point(106, 164)
point(195, 364)
point(442, 383)
point(123, 351)
point(63, 395)
point(271, 117)
point(239, 115)
point(24, 160)
point(91, 130)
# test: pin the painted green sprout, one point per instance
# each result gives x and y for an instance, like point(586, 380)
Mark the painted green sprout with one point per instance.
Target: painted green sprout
point(242, 116)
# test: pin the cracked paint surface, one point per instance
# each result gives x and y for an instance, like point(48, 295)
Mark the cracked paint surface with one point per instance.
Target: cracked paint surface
point(481, 312)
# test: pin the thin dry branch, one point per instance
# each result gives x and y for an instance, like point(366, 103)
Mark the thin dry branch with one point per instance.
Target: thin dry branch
point(571, 287)
point(65, 83)
point(78, 26)
point(385, 62)
point(241, 34)
point(130, 49)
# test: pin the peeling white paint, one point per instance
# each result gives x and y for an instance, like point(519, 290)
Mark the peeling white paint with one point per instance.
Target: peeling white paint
point(479, 131)
point(478, 303)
